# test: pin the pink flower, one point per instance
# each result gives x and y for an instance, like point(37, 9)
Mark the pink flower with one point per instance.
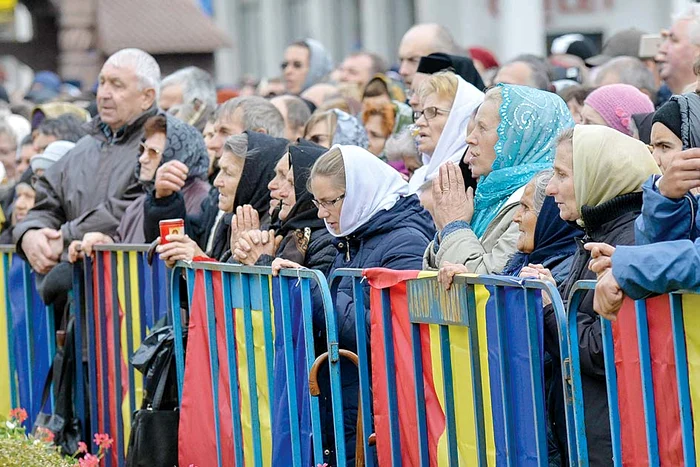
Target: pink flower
point(18, 414)
point(322, 465)
point(103, 440)
point(82, 447)
point(89, 461)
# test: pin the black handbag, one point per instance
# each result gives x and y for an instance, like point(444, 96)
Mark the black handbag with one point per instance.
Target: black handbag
point(62, 422)
point(154, 429)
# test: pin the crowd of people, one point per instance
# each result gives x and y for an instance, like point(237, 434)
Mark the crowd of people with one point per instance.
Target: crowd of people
point(573, 166)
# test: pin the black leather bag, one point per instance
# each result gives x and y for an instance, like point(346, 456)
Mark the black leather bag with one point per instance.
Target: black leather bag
point(62, 422)
point(154, 429)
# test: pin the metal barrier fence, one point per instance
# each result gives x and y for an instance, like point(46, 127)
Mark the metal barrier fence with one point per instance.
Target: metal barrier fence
point(430, 304)
point(238, 338)
point(27, 342)
point(643, 322)
point(122, 298)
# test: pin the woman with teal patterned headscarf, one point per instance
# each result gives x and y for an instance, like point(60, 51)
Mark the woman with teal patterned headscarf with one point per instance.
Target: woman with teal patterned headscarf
point(514, 139)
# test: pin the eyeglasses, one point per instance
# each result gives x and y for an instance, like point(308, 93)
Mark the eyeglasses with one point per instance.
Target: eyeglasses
point(328, 204)
point(152, 152)
point(296, 64)
point(429, 113)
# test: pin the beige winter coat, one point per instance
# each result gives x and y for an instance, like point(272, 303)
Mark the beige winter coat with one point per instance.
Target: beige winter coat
point(486, 256)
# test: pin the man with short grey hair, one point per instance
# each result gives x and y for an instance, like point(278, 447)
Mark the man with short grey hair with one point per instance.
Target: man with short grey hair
point(680, 49)
point(190, 95)
point(90, 188)
point(359, 67)
point(295, 113)
point(525, 70)
point(627, 70)
point(422, 40)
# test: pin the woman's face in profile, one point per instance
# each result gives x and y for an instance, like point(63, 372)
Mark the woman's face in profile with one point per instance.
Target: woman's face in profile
point(526, 218)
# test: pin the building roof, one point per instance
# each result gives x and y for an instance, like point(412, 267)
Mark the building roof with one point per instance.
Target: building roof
point(157, 26)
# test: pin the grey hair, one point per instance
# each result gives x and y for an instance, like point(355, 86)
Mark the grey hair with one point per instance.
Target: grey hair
point(378, 64)
point(237, 145)
point(258, 114)
point(566, 136)
point(144, 65)
point(6, 129)
point(629, 70)
point(400, 145)
point(692, 14)
point(540, 70)
point(196, 84)
point(297, 111)
point(540, 180)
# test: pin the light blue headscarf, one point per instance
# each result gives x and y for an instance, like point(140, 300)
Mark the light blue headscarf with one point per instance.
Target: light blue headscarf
point(531, 120)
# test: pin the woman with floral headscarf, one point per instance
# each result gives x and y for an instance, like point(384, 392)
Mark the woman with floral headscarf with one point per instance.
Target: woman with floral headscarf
point(513, 139)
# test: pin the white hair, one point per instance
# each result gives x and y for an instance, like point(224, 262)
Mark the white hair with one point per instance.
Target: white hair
point(692, 14)
point(196, 84)
point(144, 65)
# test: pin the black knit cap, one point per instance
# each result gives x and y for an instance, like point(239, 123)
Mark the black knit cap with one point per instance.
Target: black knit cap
point(670, 115)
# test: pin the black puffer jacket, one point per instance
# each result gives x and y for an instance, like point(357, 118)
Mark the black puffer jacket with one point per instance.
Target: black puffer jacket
point(612, 223)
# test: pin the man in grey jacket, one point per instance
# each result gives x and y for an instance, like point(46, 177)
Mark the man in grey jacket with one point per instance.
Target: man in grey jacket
point(89, 189)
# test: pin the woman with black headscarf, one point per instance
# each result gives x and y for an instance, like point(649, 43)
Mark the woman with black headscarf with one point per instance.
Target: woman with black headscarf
point(246, 167)
point(300, 235)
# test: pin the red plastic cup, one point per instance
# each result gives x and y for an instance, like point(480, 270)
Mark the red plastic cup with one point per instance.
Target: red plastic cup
point(171, 227)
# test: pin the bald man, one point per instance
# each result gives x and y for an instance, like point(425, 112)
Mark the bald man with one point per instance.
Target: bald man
point(419, 41)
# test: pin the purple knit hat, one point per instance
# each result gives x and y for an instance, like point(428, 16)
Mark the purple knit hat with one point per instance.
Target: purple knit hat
point(616, 103)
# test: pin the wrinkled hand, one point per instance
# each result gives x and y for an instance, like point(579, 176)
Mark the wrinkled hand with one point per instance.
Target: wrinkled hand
point(281, 263)
point(170, 178)
point(448, 271)
point(539, 272)
point(253, 244)
point(682, 174)
point(245, 219)
point(608, 297)
point(43, 248)
point(75, 251)
point(178, 248)
point(451, 202)
point(601, 256)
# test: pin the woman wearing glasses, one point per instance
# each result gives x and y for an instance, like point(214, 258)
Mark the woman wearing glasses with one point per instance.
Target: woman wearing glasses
point(365, 205)
point(166, 140)
point(513, 139)
point(447, 102)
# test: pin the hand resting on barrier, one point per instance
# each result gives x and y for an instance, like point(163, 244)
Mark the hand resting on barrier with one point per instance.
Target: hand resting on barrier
point(178, 248)
point(280, 263)
point(448, 271)
point(252, 244)
point(539, 272)
point(79, 248)
point(608, 297)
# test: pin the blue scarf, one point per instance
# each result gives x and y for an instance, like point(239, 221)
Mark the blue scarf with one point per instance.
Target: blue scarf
point(531, 120)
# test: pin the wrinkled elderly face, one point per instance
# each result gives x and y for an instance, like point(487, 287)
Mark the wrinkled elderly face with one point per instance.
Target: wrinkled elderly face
point(526, 218)
point(24, 201)
point(677, 54)
point(483, 138)
point(295, 67)
point(664, 143)
point(590, 116)
point(430, 127)
point(151, 156)
point(231, 169)
point(414, 45)
point(326, 194)
point(119, 97)
point(170, 96)
point(225, 126)
point(280, 187)
point(561, 186)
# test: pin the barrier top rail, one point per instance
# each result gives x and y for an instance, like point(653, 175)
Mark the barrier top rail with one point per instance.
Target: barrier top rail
point(137, 247)
point(7, 249)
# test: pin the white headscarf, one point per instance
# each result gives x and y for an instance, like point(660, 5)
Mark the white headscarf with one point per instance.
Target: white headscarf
point(452, 142)
point(370, 186)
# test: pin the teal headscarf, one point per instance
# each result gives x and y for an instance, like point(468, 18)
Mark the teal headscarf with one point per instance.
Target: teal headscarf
point(531, 120)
